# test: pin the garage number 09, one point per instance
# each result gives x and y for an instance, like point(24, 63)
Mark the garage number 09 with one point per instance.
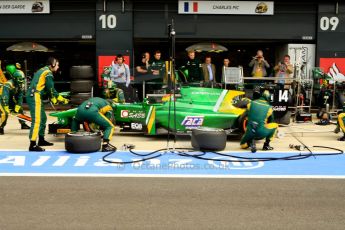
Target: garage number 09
point(326, 22)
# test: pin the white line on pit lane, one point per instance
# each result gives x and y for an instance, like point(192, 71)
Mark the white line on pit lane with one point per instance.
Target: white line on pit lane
point(173, 176)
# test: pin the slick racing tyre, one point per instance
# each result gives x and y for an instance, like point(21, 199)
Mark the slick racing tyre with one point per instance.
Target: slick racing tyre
point(242, 122)
point(83, 86)
point(204, 138)
point(83, 142)
point(80, 72)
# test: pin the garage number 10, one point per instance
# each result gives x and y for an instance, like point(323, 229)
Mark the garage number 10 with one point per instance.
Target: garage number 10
point(108, 21)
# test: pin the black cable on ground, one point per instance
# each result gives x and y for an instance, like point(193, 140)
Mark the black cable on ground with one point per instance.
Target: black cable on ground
point(127, 162)
point(135, 161)
point(242, 159)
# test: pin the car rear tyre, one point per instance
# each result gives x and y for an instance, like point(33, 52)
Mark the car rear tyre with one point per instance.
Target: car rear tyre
point(81, 72)
point(242, 122)
point(204, 138)
point(83, 142)
point(83, 86)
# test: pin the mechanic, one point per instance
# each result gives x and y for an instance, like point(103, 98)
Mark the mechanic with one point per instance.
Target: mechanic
point(3, 78)
point(11, 96)
point(100, 112)
point(19, 73)
point(42, 84)
point(259, 126)
point(112, 92)
point(192, 69)
point(157, 68)
point(341, 124)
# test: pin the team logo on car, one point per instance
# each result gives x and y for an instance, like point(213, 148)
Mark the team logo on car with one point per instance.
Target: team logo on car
point(192, 122)
point(124, 113)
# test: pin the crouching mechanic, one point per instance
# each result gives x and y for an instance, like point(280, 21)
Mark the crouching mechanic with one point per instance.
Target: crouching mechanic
point(341, 124)
point(98, 111)
point(260, 114)
point(11, 96)
point(41, 85)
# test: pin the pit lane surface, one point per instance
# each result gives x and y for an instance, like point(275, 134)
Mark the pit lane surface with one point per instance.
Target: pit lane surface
point(169, 203)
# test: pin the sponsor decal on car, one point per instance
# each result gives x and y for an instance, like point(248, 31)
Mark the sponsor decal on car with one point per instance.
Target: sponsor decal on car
point(279, 108)
point(135, 114)
point(192, 122)
point(136, 126)
point(124, 113)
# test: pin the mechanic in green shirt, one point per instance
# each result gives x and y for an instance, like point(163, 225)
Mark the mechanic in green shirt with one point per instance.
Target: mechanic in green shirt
point(11, 96)
point(192, 69)
point(156, 68)
point(341, 124)
point(100, 112)
point(259, 126)
point(42, 85)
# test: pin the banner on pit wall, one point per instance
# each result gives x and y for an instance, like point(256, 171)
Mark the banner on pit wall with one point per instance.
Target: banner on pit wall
point(104, 66)
point(334, 67)
point(25, 7)
point(226, 7)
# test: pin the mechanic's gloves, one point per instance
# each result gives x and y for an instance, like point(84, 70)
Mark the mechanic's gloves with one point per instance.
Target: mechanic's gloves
point(62, 99)
point(53, 100)
point(58, 99)
point(17, 108)
point(7, 109)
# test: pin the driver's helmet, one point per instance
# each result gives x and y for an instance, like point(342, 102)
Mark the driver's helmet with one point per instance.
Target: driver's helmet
point(11, 69)
point(266, 95)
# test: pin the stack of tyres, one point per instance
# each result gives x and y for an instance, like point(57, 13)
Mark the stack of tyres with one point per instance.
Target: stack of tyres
point(81, 83)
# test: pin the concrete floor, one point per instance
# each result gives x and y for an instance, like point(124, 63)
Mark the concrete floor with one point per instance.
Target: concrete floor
point(309, 134)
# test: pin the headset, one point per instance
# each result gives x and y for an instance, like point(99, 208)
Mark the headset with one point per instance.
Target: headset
point(52, 62)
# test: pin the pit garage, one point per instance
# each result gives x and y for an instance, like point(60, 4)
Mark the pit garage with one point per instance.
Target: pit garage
point(266, 190)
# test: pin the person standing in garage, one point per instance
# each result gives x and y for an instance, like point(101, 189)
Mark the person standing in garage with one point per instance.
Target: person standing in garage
point(98, 111)
point(209, 72)
point(120, 74)
point(42, 84)
point(192, 69)
point(259, 65)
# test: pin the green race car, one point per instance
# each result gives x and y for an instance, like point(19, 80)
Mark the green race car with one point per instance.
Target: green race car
point(191, 108)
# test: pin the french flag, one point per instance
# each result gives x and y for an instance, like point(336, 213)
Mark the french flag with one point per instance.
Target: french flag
point(190, 7)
